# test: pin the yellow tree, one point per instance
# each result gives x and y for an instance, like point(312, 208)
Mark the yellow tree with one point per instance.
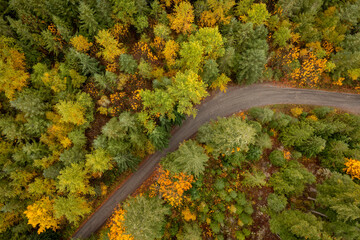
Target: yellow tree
point(218, 13)
point(41, 213)
point(170, 50)
point(13, 75)
point(71, 112)
point(111, 48)
point(182, 18)
point(116, 226)
point(81, 43)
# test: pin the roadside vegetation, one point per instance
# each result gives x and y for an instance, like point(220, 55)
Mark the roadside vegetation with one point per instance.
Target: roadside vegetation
point(264, 174)
point(89, 88)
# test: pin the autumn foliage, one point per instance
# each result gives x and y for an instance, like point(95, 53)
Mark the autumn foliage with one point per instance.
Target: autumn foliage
point(116, 226)
point(171, 186)
point(352, 167)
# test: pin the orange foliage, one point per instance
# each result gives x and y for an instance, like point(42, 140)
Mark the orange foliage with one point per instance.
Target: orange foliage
point(188, 215)
point(116, 227)
point(81, 43)
point(119, 30)
point(142, 50)
point(171, 186)
point(352, 167)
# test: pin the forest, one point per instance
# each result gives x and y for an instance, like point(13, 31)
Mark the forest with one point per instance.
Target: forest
point(89, 88)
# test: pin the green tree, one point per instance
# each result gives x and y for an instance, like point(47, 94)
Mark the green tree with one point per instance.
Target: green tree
point(190, 158)
point(312, 146)
point(88, 24)
point(294, 224)
point(210, 71)
point(72, 207)
point(106, 81)
point(187, 90)
point(145, 217)
point(227, 135)
point(250, 65)
point(258, 14)
point(74, 179)
point(281, 36)
point(71, 112)
point(191, 54)
point(277, 158)
point(211, 40)
point(291, 179)
point(296, 134)
point(98, 161)
point(127, 63)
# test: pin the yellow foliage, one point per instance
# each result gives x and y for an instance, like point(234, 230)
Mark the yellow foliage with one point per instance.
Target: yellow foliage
point(287, 155)
point(111, 48)
point(352, 167)
point(218, 13)
point(339, 82)
point(182, 18)
point(13, 75)
point(221, 82)
point(41, 213)
point(188, 216)
point(116, 227)
point(170, 50)
point(171, 187)
point(312, 117)
point(297, 111)
point(169, 2)
point(66, 142)
point(354, 74)
point(81, 43)
point(53, 80)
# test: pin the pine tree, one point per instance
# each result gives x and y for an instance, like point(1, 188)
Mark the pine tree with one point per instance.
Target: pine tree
point(88, 24)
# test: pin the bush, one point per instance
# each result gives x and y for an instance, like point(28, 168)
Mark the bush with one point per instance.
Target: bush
point(277, 158)
point(254, 153)
point(321, 112)
point(276, 203)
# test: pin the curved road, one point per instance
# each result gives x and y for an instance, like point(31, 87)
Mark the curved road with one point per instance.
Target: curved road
point(222, 104)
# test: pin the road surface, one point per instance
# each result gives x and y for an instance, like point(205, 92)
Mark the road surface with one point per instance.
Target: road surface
point(236, 99)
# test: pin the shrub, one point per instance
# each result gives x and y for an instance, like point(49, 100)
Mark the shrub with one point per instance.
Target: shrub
point(277, 158)
point(277, 203)
point(321, 112)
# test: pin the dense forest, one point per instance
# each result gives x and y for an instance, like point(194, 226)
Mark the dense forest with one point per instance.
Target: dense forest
point(260, 175)
point(88, 88)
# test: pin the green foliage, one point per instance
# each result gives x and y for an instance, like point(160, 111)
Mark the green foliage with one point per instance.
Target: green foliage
point(145, 69)
point(74, 179)
point(262, 115)
point(88, 24)
point(277, 158)
point(107, 81)
point(255, 179)
point(210, 72)
point(145, 217)
point(296, 134)
point(258, 14)
point(72, 207)
point(226, 134)
point(190, 232)
point(321, 112)
point(294, 224)
point(276, 203)
point(190, 158)
point(127, 63)
point(291, 179)
point(339, 194)
point(98, 161)
point(312, 146)
point(191, 54)
point(159, 137)
point(281, 36)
